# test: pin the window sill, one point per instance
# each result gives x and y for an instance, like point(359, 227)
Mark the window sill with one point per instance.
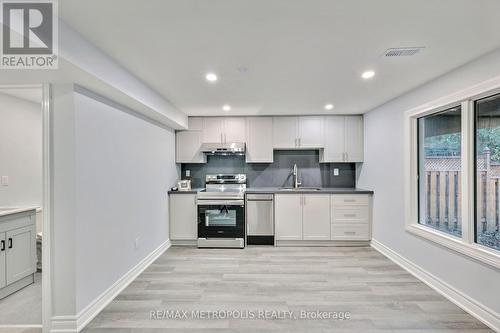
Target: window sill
point(475, 251)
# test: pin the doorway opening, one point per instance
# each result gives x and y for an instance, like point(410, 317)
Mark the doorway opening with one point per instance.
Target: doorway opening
point(23, 205)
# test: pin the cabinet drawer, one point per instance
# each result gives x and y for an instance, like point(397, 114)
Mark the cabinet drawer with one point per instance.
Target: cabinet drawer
point(350, 214)
point(16, 221)
point(350, 200)
point(350, 231)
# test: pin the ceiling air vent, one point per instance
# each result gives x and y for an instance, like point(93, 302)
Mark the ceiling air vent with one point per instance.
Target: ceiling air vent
point(402, 51)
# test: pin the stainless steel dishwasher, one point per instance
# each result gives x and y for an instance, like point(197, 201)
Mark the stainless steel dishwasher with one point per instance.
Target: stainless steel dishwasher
point(260, 219)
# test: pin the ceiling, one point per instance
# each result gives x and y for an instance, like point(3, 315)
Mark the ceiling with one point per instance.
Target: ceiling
point(285, 57)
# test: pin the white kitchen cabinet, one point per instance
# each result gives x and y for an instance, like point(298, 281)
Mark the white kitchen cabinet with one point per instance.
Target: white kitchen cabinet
point(195, 123)
point(302, 217)
point(3, 247)
point(213, 128)
point(334, 140)
point(354, 138)
point(288, 216)
point(343, 137)
point(20, 256)
point(187, 147)
point(224, 129)
point(298, 132)
point(316, 216)
point(234, 129)
point(259, 140)
point(183, 216)
point(310, 132)
point(351, 217)
point(285, 132)
point(17, 251)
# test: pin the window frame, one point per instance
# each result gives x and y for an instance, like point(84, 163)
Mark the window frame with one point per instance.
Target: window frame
point(466, 244)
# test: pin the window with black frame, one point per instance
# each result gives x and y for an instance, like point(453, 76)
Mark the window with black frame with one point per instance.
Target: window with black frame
point(439, 170)
point(487, 168)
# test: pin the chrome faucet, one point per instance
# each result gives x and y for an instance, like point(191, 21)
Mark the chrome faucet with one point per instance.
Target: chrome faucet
point(296, 182)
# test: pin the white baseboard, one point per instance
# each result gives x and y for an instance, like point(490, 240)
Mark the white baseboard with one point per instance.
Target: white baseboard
point(476, 309)
point(74, 324)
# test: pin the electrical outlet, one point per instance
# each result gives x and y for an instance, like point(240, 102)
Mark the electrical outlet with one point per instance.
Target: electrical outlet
point(188, 173)
point(137, 243)
point(335, 171)
point(4, 181)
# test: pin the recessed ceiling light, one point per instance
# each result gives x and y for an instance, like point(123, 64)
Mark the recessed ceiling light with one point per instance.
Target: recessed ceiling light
point(211, 77)
point(226, 107)
point(368, 75)
point(328, 106)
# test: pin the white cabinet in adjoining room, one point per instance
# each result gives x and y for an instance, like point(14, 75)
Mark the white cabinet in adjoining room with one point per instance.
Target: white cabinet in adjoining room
point(285, 132)
point(17, 251)
point(183, 217)
point(288, 216)
point(21, 253)
point(343, 139)
point(187, 147)
point(259, 140)
point(316, 216)
point(3, 267)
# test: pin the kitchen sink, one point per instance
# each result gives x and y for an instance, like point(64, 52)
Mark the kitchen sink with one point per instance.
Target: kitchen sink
point(300, 189)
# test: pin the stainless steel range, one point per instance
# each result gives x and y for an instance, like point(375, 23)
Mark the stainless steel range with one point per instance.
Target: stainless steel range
point(221, 211)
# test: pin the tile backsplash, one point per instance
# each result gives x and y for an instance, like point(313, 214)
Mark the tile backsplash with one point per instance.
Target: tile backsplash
point(278, 173)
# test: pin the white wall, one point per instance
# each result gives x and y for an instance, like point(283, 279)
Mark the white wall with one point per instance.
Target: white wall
point(111, 173)
point(20, 151)
point(384, 137)
point(124, 168)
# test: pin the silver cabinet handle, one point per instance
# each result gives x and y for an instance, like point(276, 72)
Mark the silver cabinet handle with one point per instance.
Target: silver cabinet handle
point(349, 232)
point(349, 200)
point(300, 143)
point(346, 156)
point(221, 139)
point(225, 139)
point(304, 200)
point(349, 215)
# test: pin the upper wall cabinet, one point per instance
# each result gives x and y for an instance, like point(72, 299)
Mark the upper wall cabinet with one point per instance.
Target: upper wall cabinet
point(224, 130)
point(343, 139)
point(298, 132)
point(259, 140)
point(187, 147)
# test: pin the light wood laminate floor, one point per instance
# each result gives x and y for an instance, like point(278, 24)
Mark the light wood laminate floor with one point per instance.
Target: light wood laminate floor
point(380, 296)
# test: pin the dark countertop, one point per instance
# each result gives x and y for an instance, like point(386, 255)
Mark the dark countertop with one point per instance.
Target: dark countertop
point(193, 191)
point(331, 190)
point(252, 190)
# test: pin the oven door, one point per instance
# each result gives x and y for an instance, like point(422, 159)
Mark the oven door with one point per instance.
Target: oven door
point(221, 219)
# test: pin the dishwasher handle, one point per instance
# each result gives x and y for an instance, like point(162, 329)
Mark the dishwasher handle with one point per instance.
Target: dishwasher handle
point(259, 197)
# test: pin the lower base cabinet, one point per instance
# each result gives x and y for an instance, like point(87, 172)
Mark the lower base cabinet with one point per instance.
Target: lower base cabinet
point(316, 217)
point(288, 216)
point(326, 218)
point(17, 251)
point(183, 217)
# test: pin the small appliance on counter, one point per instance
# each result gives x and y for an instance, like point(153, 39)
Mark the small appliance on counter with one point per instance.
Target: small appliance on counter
point(184, 185)
point(221, 211)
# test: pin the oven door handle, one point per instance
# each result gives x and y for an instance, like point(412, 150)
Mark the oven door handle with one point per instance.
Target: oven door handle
point(220, 202)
